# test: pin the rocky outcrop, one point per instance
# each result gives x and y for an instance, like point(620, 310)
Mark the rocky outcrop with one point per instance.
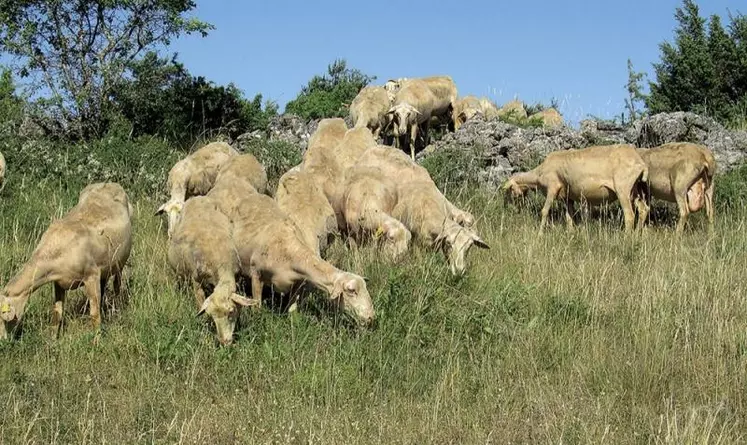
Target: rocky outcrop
point(504, 148)
point(287, 128)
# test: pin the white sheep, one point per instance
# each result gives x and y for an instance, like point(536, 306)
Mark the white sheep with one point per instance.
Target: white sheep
point(424, 212)
point(272, 253)
point(369, 109)
point(681, 173)
point(88, 245)
point(594, 175)
point(410, 113)
point(367, 203)
point(201, 250)
point(194, 176)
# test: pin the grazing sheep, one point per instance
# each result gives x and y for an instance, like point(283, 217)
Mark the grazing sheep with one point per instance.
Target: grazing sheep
point(272, 252)
point(228, 194)
point(410, 113)
point(367, 203)
point(681, 173)
point(549, 117)
point(404, 172)
point(244, 167)
point(299, 197)
point(513, 110)
point(369, 108)
point(320, 160)
point(3, 166)
point(465, 109)
point(88, 245)
point(424, 212)
point(201, 250)
point(194, 176)
point(489, 109)
point(595, 175)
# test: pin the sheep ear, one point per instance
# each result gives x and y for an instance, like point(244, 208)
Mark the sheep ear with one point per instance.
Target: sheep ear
point(480, 243)
point(506, 186)
point(241, 300)
point(204, 307)
point(160, 210)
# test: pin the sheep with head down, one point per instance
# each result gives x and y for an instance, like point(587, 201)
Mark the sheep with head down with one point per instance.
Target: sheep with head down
point(272, 252)
point(369, 109)
point(86, 247)
point(194, 176)
point(201, 250)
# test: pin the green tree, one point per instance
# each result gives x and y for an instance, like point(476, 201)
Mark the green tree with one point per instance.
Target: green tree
point(75, 52)
point(325, 95)
point(163, 98)
point(685, 74)
point(636, 97)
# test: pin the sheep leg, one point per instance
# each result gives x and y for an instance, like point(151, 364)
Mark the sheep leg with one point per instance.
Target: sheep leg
point(684, 211)
point(92, 286)
point(57, 314)
point(643, 208)
point(628, 213)
point(552, 192)
point(256, 288)
point(413, 140)
point(709, 204)
point(570, 210)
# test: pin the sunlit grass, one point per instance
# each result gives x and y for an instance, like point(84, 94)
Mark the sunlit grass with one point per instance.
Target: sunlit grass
point(589, 336)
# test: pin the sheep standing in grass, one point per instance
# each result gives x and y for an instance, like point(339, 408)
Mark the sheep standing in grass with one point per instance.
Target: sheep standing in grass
point(319, 160)
point(272, 252)
point(411, 113)
point(369, 109)
point(405, 172)
point(88, 245)
point(367, 203)
point(681, 173)
point(424, 212)
point(201, 250)
point(595, 175)
point(194, 176)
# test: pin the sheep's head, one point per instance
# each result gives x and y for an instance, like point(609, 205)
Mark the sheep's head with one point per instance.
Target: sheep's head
point(350, 293)
point(465, 115)
point(455, 243)
point(223, 307)
point(513, 189)
point(400, 118)
point(463, 218)
point(173, 209)
point(11, 311)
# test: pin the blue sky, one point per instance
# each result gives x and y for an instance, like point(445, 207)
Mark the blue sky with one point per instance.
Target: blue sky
point(573, 50)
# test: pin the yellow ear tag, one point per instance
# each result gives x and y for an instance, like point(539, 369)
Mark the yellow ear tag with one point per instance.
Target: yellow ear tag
point(379, 232)
point(5, 308)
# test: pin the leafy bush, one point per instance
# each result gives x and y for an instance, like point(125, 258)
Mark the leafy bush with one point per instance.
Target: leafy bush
point(325, 95)
point(731, 190)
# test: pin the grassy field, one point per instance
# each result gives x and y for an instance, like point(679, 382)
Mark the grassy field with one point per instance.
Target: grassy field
point(590, 336)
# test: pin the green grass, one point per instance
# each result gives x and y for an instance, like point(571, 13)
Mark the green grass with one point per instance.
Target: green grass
point(590, 336)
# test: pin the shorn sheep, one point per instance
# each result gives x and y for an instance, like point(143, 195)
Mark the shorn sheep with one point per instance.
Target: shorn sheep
point(369, 109)
point(272, 253)
point(681, 173)
point(194, 176)
point(201, 250)
point(595, 175)
point(88, 245)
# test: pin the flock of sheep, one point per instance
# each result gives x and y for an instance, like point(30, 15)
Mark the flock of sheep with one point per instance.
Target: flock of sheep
point(224, 227)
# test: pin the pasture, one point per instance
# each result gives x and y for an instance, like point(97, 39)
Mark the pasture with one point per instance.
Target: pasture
point(589, 336)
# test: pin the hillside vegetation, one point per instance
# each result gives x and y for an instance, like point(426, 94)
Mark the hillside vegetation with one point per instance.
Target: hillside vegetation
point(574, 337)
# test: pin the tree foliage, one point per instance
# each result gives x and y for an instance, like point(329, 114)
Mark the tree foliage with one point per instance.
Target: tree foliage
point(703, 69)
point(325, 95)
point(162, 98)
point(75, 52)
point(636, 98)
